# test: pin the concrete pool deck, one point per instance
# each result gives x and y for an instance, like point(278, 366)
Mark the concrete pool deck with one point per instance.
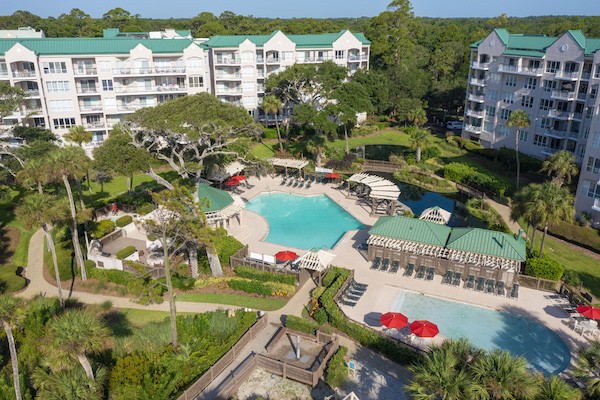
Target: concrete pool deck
point(384, 287)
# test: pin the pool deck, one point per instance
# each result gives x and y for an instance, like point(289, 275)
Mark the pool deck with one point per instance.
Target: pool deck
point(384, 287)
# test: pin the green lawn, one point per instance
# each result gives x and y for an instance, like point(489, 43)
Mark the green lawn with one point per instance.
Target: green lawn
point(140, 318)
point(233, 300)
point(113, 188)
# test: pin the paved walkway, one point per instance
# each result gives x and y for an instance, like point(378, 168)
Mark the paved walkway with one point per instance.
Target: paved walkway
point(504, 212)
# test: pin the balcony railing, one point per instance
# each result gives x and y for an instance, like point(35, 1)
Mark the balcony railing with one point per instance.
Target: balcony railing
point(563, 95)
point(555, 133)
point(4, 74)
point(581, 96)
point(358, 57)
point(473, 128)
point(94, 125)
point(477, 82)
point(558, 113)
point(531, 70)
point(157, 88)
point(128, 107)
point(170, 70)
point(549, 150)
point(228, 61)
point(474, 113)
point(84, 71)
point(237, 90)
point(272, 60)
point(508, 68)
point(90, 107)
point(480, 98)
point(229, 76)
point(23, 74)
point(31, 110)
point(33, 93)
point(480, 65)
point(87, 90)
point(572, 75)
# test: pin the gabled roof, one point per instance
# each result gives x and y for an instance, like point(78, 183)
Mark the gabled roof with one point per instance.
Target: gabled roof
point(579, 37)
point(321, 40)
point(503, 34)
point(487, 242)
point(411, 229)
point(217, 199)
point(236, 40)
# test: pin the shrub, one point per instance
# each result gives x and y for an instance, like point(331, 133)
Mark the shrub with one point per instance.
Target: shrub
point(270, 133)
point(344, 164)
point(250, 287)
point(227, 246)
point(571, 278)
point(126, 252)
point(320, 316)
point(430, 152)
point(544, 267)
point(145, 208)
point(101, 228)
point(337, 372)
point(264, 276)
point(301, 324)
point(109, 275)
point(182, 282)
point(280, 289)
point(124, 220)
point(457, 172)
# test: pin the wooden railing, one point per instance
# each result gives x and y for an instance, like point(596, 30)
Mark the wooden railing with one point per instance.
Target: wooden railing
point(532, 282)
point(380, 166)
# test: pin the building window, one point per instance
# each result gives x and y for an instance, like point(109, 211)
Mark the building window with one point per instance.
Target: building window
point(597, 71)
point(287, 55)
point(522, 135)
point(546, 104)
point(593, 92)
point(196, 81)
point(39, 122)
point(505, 114)
point(508, 98)
point(57, 86)
point(552, 66)
point(548, 85)
point(490, 111)
point(55, 67)
point(63, 123)
point(539, 140)
point(61, 105)
point(531, 83)
point(107, 85)
point(546, 123)
point(503, 131)
point(339, 54)
point(527, 101)
point(493, 95)
point(511, 80)
point(488, 126)
point(586, 132)
point(593, 165)
point(165, 97)
point(596, 141)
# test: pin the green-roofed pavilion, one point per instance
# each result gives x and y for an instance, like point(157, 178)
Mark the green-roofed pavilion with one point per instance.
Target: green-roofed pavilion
point(487, 242)
point(217, 199)
point(412, 230)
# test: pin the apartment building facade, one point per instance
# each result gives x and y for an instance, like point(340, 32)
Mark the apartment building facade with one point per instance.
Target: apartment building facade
point(555, 80)
point(95, 82)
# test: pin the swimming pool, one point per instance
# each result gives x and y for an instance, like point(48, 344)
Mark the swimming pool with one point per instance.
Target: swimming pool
point(303, 222)
point(543, 349)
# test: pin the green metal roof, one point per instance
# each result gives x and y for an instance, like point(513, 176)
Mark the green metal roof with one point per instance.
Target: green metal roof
point(503, 34)
point(524, 53)
point(217, 199)
point(236, 40)
point(411, 229)
point(485, 241)
point(322, 40)
point(77, 46)
point(579, 37)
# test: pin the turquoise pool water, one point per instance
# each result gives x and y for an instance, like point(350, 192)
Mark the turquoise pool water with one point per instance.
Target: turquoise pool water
point(543, 349)
point(303, 222)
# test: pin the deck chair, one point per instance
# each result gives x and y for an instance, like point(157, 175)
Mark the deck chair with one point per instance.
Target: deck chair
point(457, 278)
point(421, 272)
point(376, 263)
point(410, 268)
point(395, 267)
point(480, 284)
point(447, 278)
point(359, 286)
point(500, 290)
point(514, 292)
point(471, 282)
point(385, 265)
point(430, 273)
point(489, 287)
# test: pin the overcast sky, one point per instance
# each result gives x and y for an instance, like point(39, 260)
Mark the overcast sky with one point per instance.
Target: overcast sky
point(305, 8)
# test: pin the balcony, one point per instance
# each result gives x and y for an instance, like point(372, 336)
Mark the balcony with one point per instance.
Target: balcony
point(273, 60)
point(563, 95)
point(480, 65)
point(555, 113)
point(90, 107)
point(229, 77)
point(82, 71)
point(169, 70)
point(128, 107)
point(260, 59)
point(550, 150)
point(474, 113)
point(477, 82)
point(27, 111)
point(566, 75)
point(479, 98)
point(596, 205)
point(555, 133)
point(230, 91)
point(84, 90)
point(149, 89)
point(508, 68)
point(33, 92)
point(228, 61)
point(94, 125)
point(537, 71)
point(4, 74)
point(581, 96)
point(24, 73)
point(473, 129)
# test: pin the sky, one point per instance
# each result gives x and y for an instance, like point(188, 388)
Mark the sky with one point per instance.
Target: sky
point(305, 8)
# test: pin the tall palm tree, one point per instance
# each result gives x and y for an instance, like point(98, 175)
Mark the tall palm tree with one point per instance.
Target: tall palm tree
point(9, 309)
point(272, 105)
point(587, 368)
point(417, 116)
point(317, 147)
point(562, 165)
point(528, 204)
point(519, 119)
point(43, 209)
point(419, 139)
point(75, 335)
point(34, 172)
point(78, 134)
point(554, 388)
point(65, 163)
point(499, 376)
point(557, 205)
point(71, 384)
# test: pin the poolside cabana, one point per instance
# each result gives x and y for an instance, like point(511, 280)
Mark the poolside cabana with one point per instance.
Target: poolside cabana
point(221, 205)
point(315, 260)
point(437, 215)
point(220, 173)
point(288, 163)
point(381, 193)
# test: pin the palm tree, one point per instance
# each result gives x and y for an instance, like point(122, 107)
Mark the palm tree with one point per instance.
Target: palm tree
point(557, 205)
point(34, 172)
point(272, 105)
point(42, 209)
point(562, 165)
point(9, 308)
point(499, 376)
point(419, 138)
point(519, 119)
point(417, 116)
point(587, 368)
point(67, 162)
point(70, 384)
point(317, 147)
point(79, 135)
point(554, 388)
point(73, 336)
point(528, 203)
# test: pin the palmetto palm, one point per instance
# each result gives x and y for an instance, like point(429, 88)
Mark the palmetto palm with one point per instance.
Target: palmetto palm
point(272, 105)
point(587, 368)
point(562, 165)
point(71, 384)
point(43, 210)
point(528, 203)
point(78, 134)
point(34, 172)
point(519, 119)
point(9, 311)
point(557, 205)
point(554, 388)
point(73, 336)
point(317, 147)
point(417, 116)
point(419, 138)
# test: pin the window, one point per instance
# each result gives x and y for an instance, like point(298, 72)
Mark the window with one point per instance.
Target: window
point(527, 101)
point(196, 63)
point(531, 83)
point(39, 122)
point(539, 140)
point(596, 141)
point(546, 123)
point(508, 98)
point(593, 92)
point(490, 111)
point(586, 132)
point(593, 165)
point(339, 54)
point(196, 81)
point(546, 104)
point(488, 126)
point(3, 69)
point(505, 114)
point(107, 85)
point(494, 78)
point(57, 86)
point(55, 67)
point(522, 135)
point(552, 66)
point(503, 130)
point(61, 105)
point(511, 80)
point(548, 85)
point(287, 55)
point(165, 97)
point(493, 95)
point(597, 71)
point(63, 123)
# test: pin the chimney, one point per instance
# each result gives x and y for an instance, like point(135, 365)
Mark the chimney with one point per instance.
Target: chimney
point(519, 234)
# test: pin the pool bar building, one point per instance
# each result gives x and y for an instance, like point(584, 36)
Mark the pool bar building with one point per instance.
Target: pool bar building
point(479, 259)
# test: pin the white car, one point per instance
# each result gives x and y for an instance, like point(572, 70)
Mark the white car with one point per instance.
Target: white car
point(454, 125)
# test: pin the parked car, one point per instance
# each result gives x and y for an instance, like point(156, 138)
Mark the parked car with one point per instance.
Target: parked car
point(454, 125)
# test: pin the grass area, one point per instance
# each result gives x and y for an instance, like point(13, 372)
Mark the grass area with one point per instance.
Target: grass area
point(113, 188)
point(233, 300)
point(21, 253)
point(140, 318)
point(585, 235)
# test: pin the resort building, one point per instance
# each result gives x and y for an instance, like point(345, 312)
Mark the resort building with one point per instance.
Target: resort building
point(555, 80)
point(473, 257)
point(95, 82)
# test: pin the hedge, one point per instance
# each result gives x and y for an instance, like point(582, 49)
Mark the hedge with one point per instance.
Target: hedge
point(126, 252)
point(301, 324)
point(544, 267)
point(109, 275)
point(145, 208)
point(227, 246)
point(250, 287)
point(124, 220)
point(264, 276)
point(102, 228)
point(337, 372)
point(463, 173)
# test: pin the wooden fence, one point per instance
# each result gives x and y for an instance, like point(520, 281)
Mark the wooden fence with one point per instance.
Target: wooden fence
point(532, 282)
point(380, 166)
point(197, 387)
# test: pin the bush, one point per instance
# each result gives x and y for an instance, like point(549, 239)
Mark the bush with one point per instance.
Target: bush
point(337, 372)
point(250, 287)
point(227, 246)
point(182, 282)
point(126, 252)
point(280, 289)
point(430, 152)
point(270, 133)
point(457, 172)
point(320, 316)
point(463, 173)
point(344, 164)
point(301, 324)
point(109, 275)
point(571, 278)
point(145, 208)
point(124, 220)
point(264, 276)
point(101, 228)
point(544, 267)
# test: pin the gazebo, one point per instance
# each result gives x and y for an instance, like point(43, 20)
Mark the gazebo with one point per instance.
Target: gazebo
point(219, 173)
point(381, 192)
point(222, 206)
point(437, 215)
point(316, 260)
point(292, 163)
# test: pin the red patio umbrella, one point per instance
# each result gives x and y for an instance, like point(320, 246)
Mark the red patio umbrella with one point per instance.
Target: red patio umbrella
point(332, 175)
point(424, 329)
point(394, 320)
point(286, 255)
point(589, 311)
point(238, 177)
point(231, 182)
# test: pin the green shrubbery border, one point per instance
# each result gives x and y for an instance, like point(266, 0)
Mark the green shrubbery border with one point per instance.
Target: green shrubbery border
point(124, 220)
point(125, 252)
point(264, 276)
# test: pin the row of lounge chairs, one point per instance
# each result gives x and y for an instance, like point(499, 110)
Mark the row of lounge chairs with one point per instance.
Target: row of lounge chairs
point(490, 286)
point(452, 278)
point(385, 265)
point(353, 293)
point(422, 272)
point(296, 182)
